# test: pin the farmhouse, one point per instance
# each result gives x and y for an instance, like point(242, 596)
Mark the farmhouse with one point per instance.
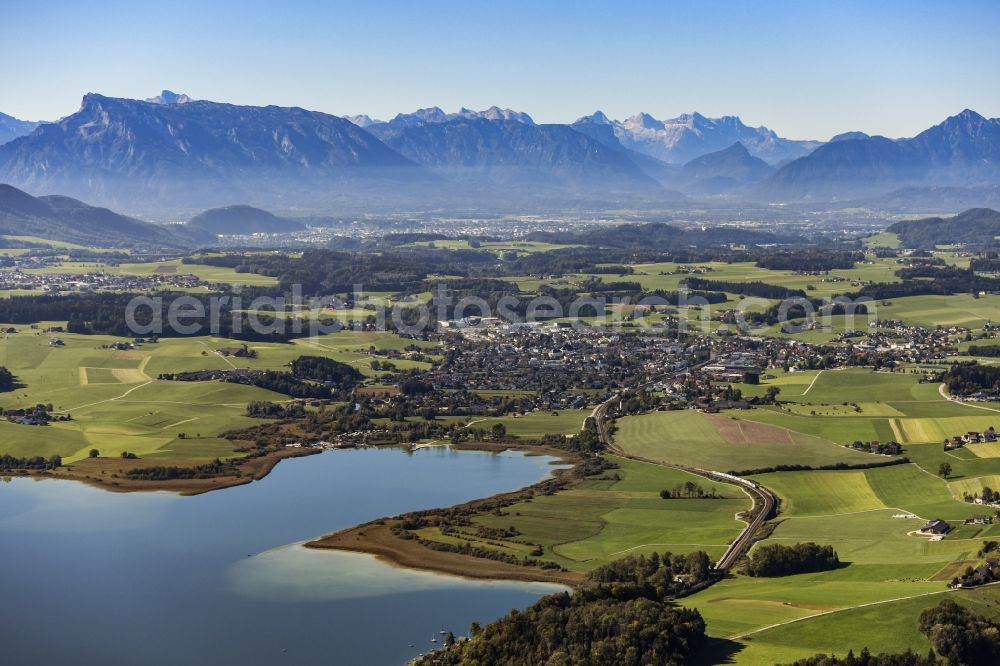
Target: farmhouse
point(238, 352)
point(936, 526)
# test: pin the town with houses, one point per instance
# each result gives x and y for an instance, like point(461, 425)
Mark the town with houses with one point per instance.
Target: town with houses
point(97, 281)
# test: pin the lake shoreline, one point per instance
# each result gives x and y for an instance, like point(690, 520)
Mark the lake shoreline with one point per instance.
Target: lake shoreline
point(210, 564)
point(377, 537)
point(104, 473)
point(373, 538)
point(378, 540)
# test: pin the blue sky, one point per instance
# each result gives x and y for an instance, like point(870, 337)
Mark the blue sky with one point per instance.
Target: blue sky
point(807, 69)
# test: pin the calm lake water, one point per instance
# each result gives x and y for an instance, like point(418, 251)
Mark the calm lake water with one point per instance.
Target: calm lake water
point(154, 578)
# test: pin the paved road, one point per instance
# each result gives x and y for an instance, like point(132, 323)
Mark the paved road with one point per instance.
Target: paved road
point(763, 500)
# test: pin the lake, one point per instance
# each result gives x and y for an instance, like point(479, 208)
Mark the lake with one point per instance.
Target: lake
point(155, 578)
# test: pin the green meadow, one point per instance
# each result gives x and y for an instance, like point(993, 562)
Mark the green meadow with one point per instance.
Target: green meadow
point(803, 631)
point(117, 404)
point(609, 517)
point(724, 442)
point(870, 518)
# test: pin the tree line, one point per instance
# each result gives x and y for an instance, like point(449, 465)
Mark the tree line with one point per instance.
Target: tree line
point(326, 371)
point(169, 473)
point(756, 288)
point(991, 351)
point(929, 279)
point(104, 314)
point(7, 380)
point(689, 490)
point(9, 463)
point(775, 559)
point(623, 617)
point(968, 378)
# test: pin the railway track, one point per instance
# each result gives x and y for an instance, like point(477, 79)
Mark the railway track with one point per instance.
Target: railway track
point(764, 503)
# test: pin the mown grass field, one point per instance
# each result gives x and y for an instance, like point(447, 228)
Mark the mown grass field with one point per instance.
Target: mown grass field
point(889, 626)
point(953, 310)
point(117, 404)
point(725, 442)
point(618, 514)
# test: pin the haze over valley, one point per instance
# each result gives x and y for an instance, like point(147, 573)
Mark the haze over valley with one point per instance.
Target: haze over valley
point(168, 154)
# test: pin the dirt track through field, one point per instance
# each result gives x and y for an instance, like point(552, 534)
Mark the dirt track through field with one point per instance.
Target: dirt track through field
point(812, 383)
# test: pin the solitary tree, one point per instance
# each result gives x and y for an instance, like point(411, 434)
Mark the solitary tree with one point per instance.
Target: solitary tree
point(94, 453)
point(944, 470)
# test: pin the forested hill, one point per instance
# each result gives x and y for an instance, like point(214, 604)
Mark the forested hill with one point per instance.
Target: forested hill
point(242, 220)
point(660, 236)
point(61, 218)
point(976, 226)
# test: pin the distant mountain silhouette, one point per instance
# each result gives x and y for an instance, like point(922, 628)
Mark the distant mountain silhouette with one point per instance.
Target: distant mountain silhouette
point(937, 198)
point(171, 155)
point(242, 220)
point(963, 150)
point(61, 218)
point(725, 171)
point(599, 128)
point(681, 139)
point(435, 115)
point(11, 128)
point(198, 153)
point(497, 149)
point(168, 97)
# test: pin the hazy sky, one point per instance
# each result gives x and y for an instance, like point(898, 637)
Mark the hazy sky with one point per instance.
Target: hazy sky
point(806, 69)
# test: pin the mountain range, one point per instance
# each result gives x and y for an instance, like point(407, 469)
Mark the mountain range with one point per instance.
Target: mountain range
point(681, 139)
point(506, 151)
point(171, 152)
point(196, 154)
point(961, 151)
point(12, 128)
